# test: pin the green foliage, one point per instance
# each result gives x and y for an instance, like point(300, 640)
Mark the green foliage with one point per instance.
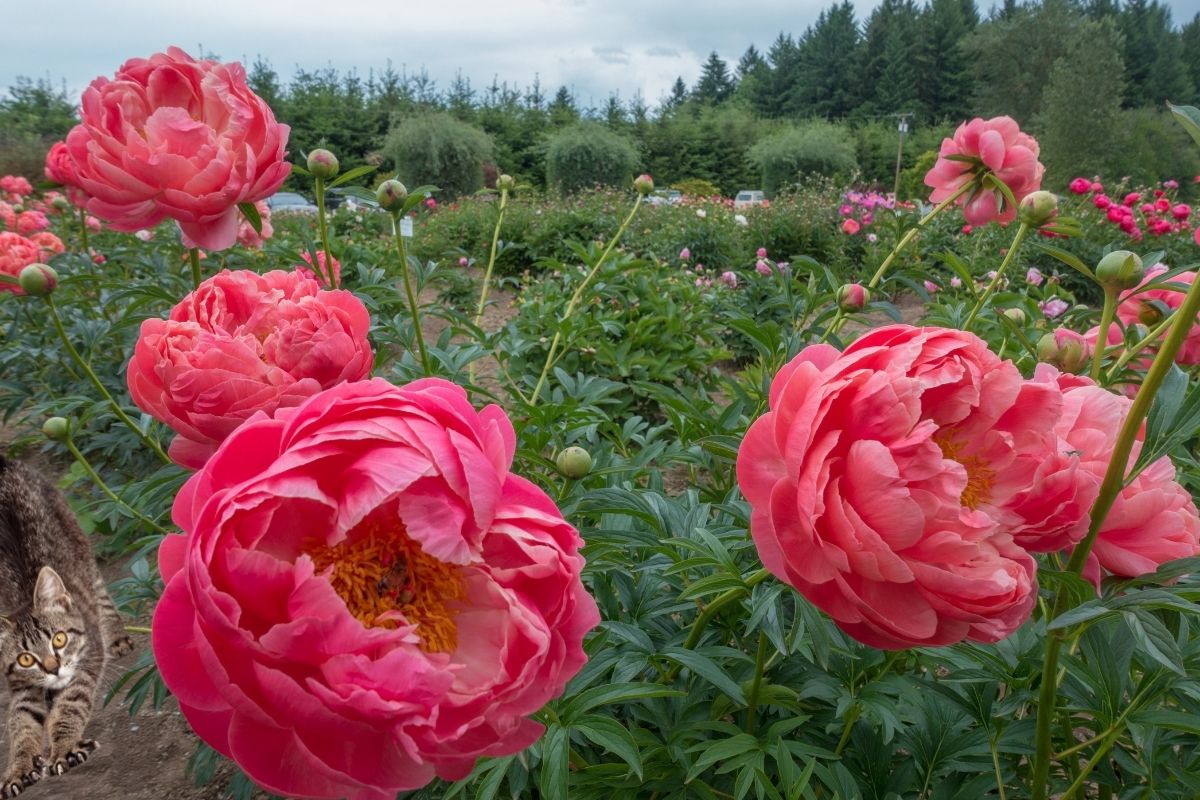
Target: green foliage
point(33, 116)
point(812, 149)
point(440, 150)
point(697, 187)
point(588, 155)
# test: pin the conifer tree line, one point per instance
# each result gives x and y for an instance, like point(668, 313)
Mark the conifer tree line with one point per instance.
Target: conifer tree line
point(1088, 77)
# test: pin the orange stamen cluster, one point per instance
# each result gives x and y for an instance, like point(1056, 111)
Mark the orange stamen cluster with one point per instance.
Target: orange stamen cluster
point(379, 569)
point(980, 476)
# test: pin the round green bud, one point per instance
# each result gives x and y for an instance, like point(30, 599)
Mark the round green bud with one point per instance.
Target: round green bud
point(506, 183)
point(853, 297)
point(574, 462)
point(1065, 349)
point(1038, 208)
point(391, 195)
point(1017, 315)
point(38, 280)
point(57, 429)
point(1120, 270)
point(643, 184)
point(61, 203)
point(322, 164)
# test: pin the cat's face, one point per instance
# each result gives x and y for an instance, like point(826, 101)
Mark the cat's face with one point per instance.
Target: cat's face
point(44, 645)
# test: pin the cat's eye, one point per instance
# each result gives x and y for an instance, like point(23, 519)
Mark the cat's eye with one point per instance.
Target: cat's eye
point(26, 660)
point(59, 641)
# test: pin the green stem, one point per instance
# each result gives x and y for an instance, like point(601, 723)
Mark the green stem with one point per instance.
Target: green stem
point(996, 767)
point(576, 297)
point(848, 725)
point(1110, 487)
point(1147, 340)
point(83, 230)
point(323, 228)
point(87, 370)
point(1022, 231)
point(1106, 318)
point(95, 476)
point(194, 255)
point(712, 609)
point(487, 274)
point(414, 310)
point(756, 685)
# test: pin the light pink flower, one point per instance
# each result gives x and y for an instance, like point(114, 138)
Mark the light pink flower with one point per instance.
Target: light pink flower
point(762, 267)
point(170, 136)
point(1152, 521)
point(729, 279)
point(956, 282)
point(762, 252)
point(243, 343)
point(996, 146)
point(880, 478)
point(932, 287)
point(1034, 277)
point(1136, 306)
point(364, 596)
point(685, 254)
point(1053, 307)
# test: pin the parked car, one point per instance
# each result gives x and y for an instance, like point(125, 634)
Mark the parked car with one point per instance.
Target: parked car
point(669, 197)
point(290, 203)
point(749, 197)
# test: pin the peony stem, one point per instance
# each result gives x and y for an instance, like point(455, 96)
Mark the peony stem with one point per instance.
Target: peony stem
point(87, 369)
point(1110, 487)
point(756, 685)
point(136, 629)
point(576, 297)
point(487, 274)
point(323, 228)
point(413, 308)
point(1022, 231)
point(83, 230)
point(712, 609)
point(96, 479)
point(194, 256)
point(1106, 318)
point(1147, 340)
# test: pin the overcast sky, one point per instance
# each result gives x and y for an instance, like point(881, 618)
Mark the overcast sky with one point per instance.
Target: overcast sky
point(593, 46)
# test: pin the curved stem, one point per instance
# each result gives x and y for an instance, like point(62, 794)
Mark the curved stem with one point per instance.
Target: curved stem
point(331, 277)
point(1106, 318)
point(83, 230)
point(576, 297)
point(194, 255)
point(1155, 333)
point(756, 684)
point(136, 629)
point(848, 725)
point(96, 479)
point(712, 609)
point(487, 274)
point(1022, 231)
point(87, 370)
point(413, 309)
point(1110, 487)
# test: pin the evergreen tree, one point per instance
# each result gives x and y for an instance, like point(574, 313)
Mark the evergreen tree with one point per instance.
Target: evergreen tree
point(460, 99)
point(1153, 55)
point(1190, 43)
point(676, 98)
point(264, 81)
point(889, 53)
point(716, 84)
point(944, 74)
point(562, 109)
point(779, 94)
point(827, 56)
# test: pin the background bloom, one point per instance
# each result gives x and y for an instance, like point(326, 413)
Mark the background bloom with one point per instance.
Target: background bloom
point(1148, 307)
point(170, 136)
point(365, 597)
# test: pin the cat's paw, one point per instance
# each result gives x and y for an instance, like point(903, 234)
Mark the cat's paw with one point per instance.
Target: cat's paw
point(74, 757)
point(20, 778)
point(120, 646)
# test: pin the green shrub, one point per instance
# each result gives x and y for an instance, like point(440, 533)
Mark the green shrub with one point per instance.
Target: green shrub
point(815, 148)
point(587, 155)
point(697, 187)
point(440, 150)
point(912, 180)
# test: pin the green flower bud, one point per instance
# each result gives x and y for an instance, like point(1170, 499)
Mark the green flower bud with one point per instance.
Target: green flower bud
point(57, 429)
point(506, 183)
point(643, 184)
point(574, 462)
point(1065, 349)
point(391, 195)
point(1017, 315)
point(1038, 208)
point(853, 297)
point(38, 280)
point(322, 164)
point(61, 203)
point(1120, 270)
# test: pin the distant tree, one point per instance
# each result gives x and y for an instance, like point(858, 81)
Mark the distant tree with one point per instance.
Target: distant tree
point(779, 96)
point(562, 109)
point(589, 154)
point(614, 113)
point(33, 115)
point(1154, 59)
point(827, 56)
point(1190, 41)
point(435, 148)
point(944, 76)
point(460, 99)
point(676, 97)
point(750, 61)
point(263, 79)
point(716, 84)
point(890, 50)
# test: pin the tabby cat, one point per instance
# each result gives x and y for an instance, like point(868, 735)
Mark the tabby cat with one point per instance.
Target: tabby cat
point(58, 627)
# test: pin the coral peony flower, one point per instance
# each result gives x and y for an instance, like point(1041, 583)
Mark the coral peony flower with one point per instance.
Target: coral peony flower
point(48, 244)
point(170, 136)
point(16, 187)
point(1145, 306)
point(850, 227)
point(32, 221)
point(1152, 521)
point(881, 478)
point(243, 343)
point(18, 252)
point(365, 597)
point(994, 147)
point(61, 169)
point(323, 267)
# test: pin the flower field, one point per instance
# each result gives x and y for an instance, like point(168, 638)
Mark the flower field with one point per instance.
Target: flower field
point(512, 495)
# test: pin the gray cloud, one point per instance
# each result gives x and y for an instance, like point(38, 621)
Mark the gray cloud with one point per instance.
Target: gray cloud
point(662, 52)
point(611, 55)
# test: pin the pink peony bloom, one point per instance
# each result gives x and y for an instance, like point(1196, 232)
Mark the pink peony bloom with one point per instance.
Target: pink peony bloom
point(1034, 277)
point(997, 147)
point(685, 254)
point(32, 221)
point(881, 479)
point(1152, 521)
point(762, 252)
point(1081, 186)
point(1136, 306)
point(1101, 201)
point(174, 137)
point(729, 279)
point(323, 266)
point(243, 343)
point(1181, 211)
point(464, 262)
point(1171, 184)
point(93, 224)
point(932, 287)
point(364, 596)
point(956, 282)
point(762, 267)
point(1053, 307)
point(60, 168)
point(16, 253)
point(850, 227)
point(1132, 199)
point(145, 234)
point(16, 187)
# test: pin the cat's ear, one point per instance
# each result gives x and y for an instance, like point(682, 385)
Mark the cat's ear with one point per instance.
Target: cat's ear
point(7, 626)
point(50, 593)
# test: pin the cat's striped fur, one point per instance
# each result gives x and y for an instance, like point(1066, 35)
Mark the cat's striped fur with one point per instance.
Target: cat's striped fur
point(58, 627)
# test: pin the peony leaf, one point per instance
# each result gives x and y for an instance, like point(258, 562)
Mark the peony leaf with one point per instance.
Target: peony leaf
point(556, 751)
point(708, 669)
point(612, 736)
point(1069, 259)
point(614, 693)
point(350, 175)
point(250, 212)
point(1155, 640)
point(1189, 118)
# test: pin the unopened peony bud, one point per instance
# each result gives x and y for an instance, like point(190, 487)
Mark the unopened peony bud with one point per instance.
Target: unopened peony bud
point(38, 280)
point(1119, 270)
point(643, 184)
point(1038, 208)
point(57, 429)
point(1017, 315)
point(574, 462)
point(506, 183)
point(322, 164)
point(61, 203)
point(852, 297)
point(391, 195)
point(1065, 349)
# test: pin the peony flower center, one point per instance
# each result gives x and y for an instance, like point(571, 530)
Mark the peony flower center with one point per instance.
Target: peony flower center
point(385, 578)
point(980, 476)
